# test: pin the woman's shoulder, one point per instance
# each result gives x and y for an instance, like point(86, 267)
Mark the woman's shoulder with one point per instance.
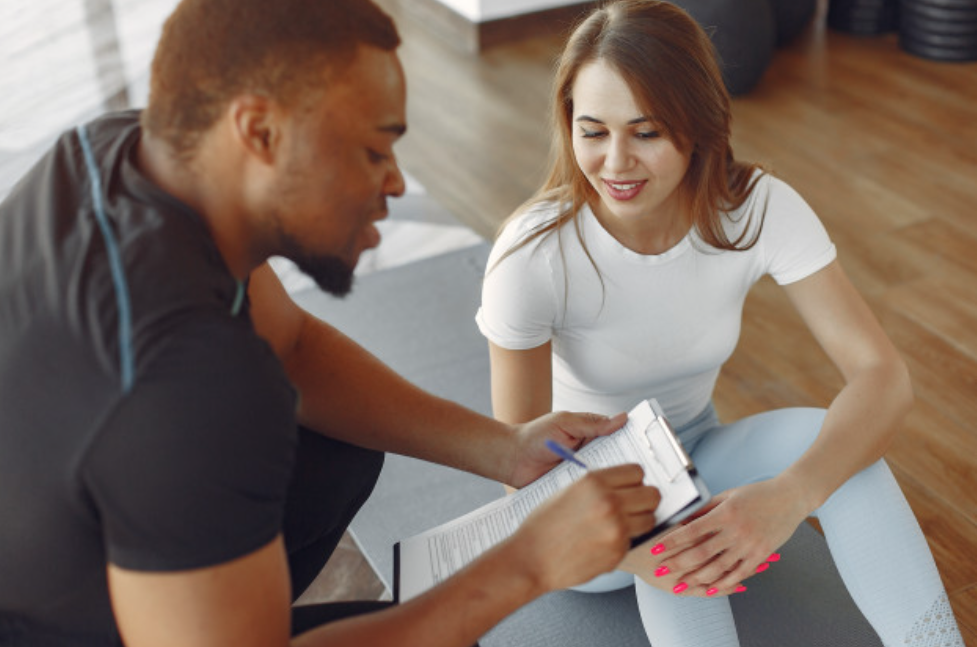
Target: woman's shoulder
point(535, 214)
point(793, 240)
point(528, 221)
point(771, 200)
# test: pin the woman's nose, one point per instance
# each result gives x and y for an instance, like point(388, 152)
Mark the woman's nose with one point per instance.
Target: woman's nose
point(618, 157)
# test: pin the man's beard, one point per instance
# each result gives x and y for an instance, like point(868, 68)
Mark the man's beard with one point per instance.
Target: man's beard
point(331, 273)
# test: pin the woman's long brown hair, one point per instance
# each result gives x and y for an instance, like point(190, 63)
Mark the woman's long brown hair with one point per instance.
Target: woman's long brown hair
point(673, 72)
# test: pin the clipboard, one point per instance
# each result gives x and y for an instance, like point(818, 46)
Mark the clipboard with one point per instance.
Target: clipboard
point(647, 438)
point(673, 461)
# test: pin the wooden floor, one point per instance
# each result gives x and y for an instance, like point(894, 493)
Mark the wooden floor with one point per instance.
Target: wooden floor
point(882, 144)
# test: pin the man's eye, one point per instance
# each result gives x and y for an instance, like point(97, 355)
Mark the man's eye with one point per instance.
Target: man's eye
point(375, 156)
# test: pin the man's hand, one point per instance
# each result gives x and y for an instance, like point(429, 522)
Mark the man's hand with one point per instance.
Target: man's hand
point(585, 530)
point(573, 430)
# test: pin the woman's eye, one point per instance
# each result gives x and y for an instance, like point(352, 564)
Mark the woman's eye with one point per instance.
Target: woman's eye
point(592, 134)
point(651, 134)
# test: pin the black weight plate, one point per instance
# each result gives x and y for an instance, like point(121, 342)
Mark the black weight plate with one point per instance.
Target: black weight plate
point(915, 24)
point(951, 41)
point(947, 4)
point(916, 8)
point(938, 53)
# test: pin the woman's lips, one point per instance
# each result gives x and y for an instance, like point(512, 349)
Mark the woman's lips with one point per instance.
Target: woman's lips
point(624, 191)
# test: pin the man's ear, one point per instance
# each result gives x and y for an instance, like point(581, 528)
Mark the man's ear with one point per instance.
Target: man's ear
point(256, 126)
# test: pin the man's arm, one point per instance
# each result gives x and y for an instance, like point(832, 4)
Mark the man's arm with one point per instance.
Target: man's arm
point(575, 536)
point(349, 394)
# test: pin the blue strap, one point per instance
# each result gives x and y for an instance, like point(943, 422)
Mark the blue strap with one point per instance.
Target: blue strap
point(126, 366)
point(238, 299)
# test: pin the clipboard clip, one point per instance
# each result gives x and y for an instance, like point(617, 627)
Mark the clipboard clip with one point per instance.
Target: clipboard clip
point(659, 422)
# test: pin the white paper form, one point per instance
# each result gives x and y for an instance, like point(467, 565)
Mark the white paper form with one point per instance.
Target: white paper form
point(429, 558)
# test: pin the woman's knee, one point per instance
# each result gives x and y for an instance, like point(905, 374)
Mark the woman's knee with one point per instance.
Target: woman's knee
point(872, 489)
point(757, 447)
point(612, 581)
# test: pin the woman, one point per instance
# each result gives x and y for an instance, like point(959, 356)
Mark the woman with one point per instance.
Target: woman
point(624, 278)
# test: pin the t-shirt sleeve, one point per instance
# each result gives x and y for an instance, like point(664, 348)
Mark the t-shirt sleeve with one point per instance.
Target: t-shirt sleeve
point(192, 467)
point(518, 309)
point(795, 243)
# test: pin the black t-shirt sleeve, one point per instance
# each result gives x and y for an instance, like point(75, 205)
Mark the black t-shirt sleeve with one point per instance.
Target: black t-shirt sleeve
point(192, 468)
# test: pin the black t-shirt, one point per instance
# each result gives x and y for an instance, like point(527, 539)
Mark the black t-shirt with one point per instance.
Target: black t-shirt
point(142, 420)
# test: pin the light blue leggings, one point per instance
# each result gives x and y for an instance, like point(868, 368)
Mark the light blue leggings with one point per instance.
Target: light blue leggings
point(873, 536)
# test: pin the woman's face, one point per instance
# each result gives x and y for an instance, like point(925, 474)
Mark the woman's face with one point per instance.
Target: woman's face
point(635, 170)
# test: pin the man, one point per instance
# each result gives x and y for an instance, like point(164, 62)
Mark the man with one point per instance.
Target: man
point(153, 487)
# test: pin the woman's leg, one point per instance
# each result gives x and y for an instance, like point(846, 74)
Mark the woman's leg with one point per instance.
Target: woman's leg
point(873, 536)
point(886, 563)
point(607, 582)
point(673, 621)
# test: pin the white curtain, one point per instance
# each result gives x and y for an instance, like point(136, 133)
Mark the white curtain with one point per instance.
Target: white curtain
point(65, 61)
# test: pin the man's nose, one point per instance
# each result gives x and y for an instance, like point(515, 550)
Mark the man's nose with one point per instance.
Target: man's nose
point(395, 185)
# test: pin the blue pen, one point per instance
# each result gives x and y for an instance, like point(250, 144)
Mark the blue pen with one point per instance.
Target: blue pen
point(564, 453)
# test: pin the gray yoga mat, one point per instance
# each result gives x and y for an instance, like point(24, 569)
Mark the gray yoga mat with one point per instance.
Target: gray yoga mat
point(419, 319)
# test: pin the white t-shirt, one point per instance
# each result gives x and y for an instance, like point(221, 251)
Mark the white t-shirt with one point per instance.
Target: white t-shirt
point(649, 325)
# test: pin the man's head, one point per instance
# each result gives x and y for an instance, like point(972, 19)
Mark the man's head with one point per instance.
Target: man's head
point(292, 108)
point(212, 51)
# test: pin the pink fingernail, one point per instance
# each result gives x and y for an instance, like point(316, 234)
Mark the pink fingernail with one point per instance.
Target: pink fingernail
point(658, 549)
point(762, 567)
point(774, 558)
point(740, 588)
point(681, 586)
point(662, 571)
point(712, 591)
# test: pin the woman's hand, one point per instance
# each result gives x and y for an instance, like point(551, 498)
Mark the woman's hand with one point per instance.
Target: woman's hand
point(573, 430)
point(647, 563)
point(733, 538)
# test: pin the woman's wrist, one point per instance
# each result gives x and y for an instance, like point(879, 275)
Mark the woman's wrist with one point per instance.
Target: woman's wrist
point(807, 493)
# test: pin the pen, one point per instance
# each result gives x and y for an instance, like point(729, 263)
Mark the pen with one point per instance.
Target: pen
point(568, 455)
point(564, 453)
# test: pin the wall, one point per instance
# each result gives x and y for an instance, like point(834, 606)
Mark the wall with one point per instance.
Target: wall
point(484, 10)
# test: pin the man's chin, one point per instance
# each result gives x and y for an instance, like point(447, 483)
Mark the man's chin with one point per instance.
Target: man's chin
point(331, 273)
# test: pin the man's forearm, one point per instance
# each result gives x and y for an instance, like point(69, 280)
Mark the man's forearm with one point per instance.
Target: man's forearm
point(348, 394)
point(454, 614)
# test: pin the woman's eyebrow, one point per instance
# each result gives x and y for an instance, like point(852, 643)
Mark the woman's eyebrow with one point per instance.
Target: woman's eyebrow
point(594, 120)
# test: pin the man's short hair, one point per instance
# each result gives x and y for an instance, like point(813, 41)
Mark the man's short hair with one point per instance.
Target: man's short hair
point(212, 51)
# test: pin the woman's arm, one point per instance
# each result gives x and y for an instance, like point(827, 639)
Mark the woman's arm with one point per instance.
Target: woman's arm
point(756, 519)
point(864, 416)
point(522, 382)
